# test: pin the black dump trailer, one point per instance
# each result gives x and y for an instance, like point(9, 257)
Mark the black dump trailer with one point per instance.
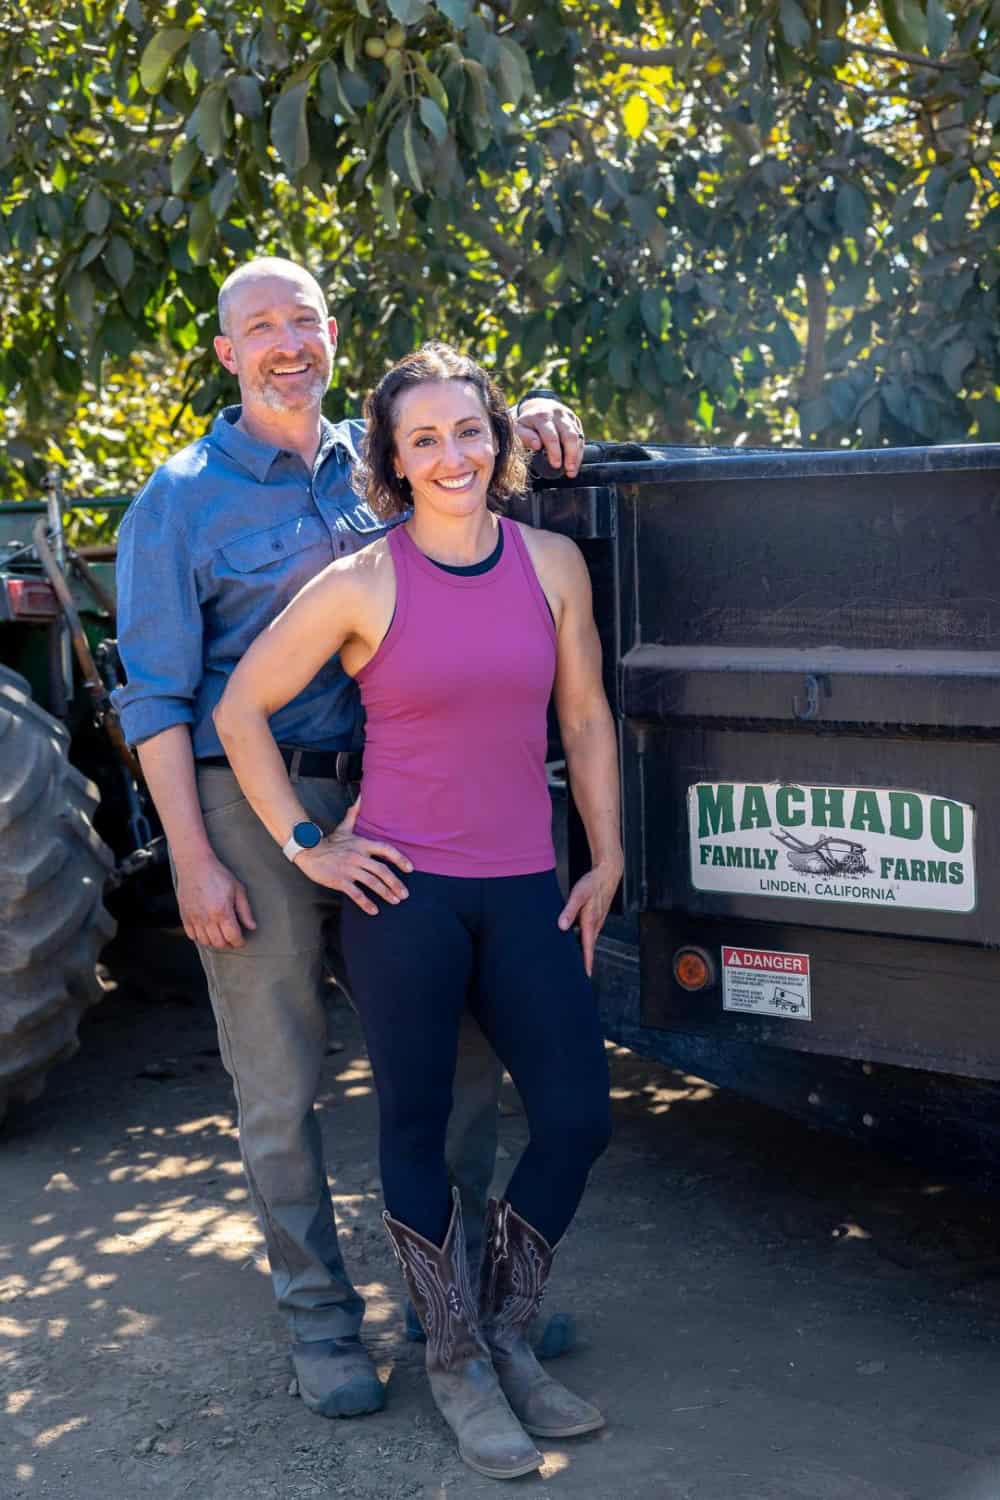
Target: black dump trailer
point(802, 652)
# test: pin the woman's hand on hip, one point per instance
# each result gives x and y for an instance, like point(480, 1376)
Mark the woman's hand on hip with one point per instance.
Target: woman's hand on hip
point(344, 861)
point(588, 903)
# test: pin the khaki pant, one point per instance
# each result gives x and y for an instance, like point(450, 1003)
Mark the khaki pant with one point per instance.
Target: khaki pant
point(268, 1003)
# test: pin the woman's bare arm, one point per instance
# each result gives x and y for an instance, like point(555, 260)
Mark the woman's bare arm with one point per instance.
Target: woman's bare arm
point(587, 731)
point(340, 605)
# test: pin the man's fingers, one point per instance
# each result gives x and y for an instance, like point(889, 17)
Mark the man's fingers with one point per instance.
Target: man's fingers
point(552, 443)
point(242, 903)
point(528, 436)
point(572, 443)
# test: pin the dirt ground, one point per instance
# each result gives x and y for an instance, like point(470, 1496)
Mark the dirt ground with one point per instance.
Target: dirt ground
point(769, 1314)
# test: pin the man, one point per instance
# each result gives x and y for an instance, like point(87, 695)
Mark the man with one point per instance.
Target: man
point(219, 540)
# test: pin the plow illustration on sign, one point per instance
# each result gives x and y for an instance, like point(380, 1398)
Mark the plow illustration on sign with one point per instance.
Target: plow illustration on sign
point(826, 856)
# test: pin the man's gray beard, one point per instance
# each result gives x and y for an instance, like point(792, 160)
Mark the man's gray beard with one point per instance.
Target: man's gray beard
point(270, 395)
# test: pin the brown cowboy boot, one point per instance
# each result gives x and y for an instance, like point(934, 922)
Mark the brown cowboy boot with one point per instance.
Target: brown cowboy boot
point(463, 1381)
point(516, 1265)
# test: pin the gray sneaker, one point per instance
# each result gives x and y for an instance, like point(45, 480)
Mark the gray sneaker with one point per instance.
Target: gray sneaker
point(337, 1378)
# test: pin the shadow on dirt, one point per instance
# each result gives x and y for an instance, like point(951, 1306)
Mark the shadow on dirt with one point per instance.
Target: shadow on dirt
point(770, 1313)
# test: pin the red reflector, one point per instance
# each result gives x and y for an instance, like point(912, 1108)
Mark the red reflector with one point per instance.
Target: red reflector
point(31, 599)
point(693, 969)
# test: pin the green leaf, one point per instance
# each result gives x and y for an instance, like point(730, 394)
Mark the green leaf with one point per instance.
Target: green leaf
point(851, 210)
point(206, 52)
point(222, 193)
point(91, 251)
point(510, 69)
point(620, 367)
point(208, 123)
point(386, 198)
point(80, 290)
point(939, 28)
point(815, 416)
point(289, 132)
point(201, 232)
point(182, 166)
point(794, 24)
point(651, 308)
point(96, 212)
point(957, 202)
point(245, 96)
point(411, 155)
point(172, 210)
point(120, 261)
point(406, 12)
point(906, 23)
point(957, 358)
point(432, 117)
point(158, 54)
point(635, 116)
point(457, 11)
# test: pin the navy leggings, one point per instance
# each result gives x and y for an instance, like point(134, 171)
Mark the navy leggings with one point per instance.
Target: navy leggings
point(492, 945)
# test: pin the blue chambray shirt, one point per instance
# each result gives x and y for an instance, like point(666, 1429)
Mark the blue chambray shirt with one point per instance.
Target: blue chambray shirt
point(214, 546)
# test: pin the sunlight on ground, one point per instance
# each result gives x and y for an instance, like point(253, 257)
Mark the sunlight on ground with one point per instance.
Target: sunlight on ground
point(52, 1434)
point(850, 1231)
point(358, 1071)
point(380, 1307)
point(204, 1228)
point(59, 1182)
point(554, 1464)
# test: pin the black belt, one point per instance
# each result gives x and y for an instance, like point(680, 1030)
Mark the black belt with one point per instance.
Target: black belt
point(333, 765)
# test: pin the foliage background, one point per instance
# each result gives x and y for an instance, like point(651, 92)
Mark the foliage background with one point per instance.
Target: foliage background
point(734, 221)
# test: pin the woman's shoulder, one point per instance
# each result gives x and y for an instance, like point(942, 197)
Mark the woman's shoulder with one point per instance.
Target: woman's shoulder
point(359, 574)
point(550, 549)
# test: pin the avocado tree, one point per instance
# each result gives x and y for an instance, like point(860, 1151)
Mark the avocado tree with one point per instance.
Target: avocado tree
point(712, 218)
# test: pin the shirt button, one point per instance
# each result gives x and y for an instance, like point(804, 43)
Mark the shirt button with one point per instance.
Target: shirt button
point(276, 546)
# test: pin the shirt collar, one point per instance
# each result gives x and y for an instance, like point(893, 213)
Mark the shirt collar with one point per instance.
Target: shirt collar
point(257, 456)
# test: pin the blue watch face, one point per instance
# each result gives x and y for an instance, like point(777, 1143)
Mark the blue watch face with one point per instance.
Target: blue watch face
point(307, 835)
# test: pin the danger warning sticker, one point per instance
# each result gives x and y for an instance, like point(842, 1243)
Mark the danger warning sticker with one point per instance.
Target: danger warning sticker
point(766, 983)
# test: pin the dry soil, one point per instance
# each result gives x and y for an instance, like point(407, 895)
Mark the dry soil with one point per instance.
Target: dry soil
point(769, 1314)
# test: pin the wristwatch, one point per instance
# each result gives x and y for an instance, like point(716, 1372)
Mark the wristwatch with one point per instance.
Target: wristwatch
point(304, 836)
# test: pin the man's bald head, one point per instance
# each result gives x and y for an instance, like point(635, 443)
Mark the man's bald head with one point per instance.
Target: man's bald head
point(260, 269)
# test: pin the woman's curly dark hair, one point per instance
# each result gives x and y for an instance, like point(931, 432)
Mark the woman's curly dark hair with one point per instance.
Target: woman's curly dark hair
point(375, 476)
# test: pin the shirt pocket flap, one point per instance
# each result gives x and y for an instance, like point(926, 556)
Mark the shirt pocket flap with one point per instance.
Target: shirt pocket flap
point(248, 553)
point(362, 520)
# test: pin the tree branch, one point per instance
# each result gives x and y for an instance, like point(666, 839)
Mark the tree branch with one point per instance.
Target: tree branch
point(912, 59)
point(817, 302)
point(653, 57)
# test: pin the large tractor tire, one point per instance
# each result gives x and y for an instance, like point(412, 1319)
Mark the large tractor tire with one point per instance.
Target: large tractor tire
point(53, 922)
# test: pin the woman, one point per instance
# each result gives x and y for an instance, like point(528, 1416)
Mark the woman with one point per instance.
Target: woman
point(458, 626)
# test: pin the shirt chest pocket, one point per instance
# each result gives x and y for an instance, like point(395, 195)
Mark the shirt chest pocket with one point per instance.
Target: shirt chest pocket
point(275, 544)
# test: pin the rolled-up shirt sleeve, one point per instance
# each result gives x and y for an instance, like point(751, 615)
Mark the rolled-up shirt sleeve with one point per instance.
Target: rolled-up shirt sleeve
point(159, 625)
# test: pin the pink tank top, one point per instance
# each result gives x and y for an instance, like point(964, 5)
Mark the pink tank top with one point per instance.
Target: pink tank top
point(456, 698)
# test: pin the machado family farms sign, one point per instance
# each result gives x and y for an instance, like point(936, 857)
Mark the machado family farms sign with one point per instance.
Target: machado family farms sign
point(833, 843)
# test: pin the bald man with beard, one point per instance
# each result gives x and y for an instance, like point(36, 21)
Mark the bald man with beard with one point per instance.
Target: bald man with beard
point(219, 540)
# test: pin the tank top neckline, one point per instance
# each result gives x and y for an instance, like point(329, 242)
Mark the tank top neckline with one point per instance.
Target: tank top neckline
point(448, 579)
